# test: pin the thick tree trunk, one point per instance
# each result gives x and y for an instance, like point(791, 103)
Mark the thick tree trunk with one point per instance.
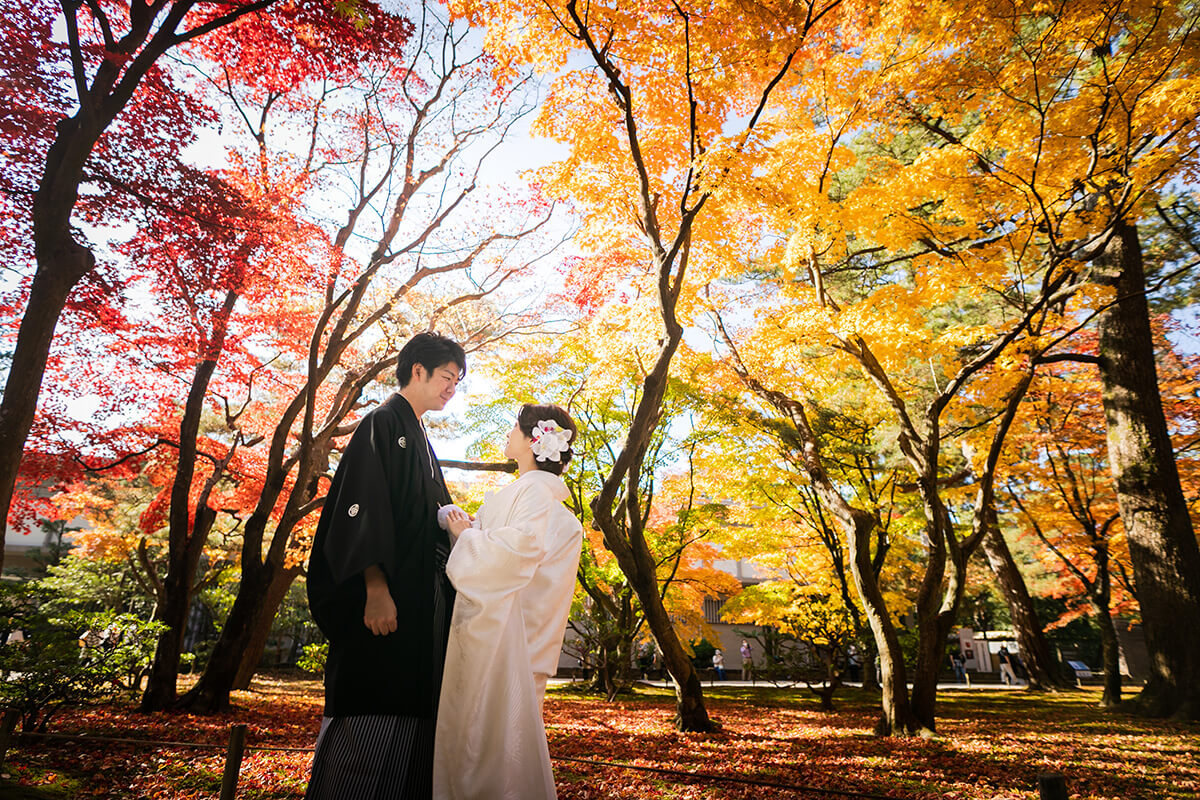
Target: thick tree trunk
point(252, 657)
point(173, 607)
point(254, 609)
point(47, 297)
point(1162, 542)
point(1044, 673)
point(690, 712)
point(933, 628)
point(172, 611)
point(61, 262)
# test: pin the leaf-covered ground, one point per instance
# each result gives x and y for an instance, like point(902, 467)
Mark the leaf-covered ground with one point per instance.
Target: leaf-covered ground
point(991, 744)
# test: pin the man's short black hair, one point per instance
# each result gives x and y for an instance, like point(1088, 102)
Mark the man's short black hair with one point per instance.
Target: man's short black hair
point(431, 351)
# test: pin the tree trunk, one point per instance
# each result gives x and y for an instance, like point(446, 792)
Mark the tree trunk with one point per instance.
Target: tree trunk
point(638, 567)
point(1162, 542)
point(825, 694)
point(252, 657)
point(862, 631)
point(624, 537)
point(602, 680)
point(187, 529)
point(623, 672)
point(933, 628)
point(935, 616)
point(606, 681)
point(832, 679)
point(61, 262)
point(173, 606)
point(1044, 673)
point(690, 713)
point(254, 608)
point(47, 296)
point(172, 611)
point(174, 603)
point(1110, 652)
point(896, 714)
point(896, 717)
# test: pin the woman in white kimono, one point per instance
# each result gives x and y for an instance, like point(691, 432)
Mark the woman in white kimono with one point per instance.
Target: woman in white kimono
point(514, 570)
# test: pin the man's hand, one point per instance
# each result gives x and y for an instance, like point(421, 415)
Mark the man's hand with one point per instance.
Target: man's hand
point(380, 613)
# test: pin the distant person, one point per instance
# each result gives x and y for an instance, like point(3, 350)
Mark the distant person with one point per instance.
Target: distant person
point(747, 661)
point(718, 660)
point(854, 663)
point(960, 667)
point(514, 569)
point(1007, 676)
point(377, 589)
point(645, 661)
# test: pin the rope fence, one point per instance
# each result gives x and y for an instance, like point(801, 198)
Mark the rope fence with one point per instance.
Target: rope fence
point(1050, 786)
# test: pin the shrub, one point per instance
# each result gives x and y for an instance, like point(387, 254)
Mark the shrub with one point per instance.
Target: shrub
point(313, 659)
point(53, 656)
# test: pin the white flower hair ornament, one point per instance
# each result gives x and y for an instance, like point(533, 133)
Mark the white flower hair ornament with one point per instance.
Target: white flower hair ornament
point(550, 441)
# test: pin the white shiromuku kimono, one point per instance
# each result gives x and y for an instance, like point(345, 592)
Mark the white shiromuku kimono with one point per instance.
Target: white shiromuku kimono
point(514, 571)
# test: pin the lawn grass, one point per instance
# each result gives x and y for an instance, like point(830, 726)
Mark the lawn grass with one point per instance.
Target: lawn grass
point(991, 744)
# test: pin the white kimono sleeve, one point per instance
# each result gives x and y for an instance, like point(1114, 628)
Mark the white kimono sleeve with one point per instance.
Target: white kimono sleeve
point(490, 740)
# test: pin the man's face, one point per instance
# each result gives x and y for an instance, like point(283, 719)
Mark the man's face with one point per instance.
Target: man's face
point(436, 388)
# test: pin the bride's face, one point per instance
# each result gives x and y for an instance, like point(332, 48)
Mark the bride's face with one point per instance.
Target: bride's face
point(517, 444)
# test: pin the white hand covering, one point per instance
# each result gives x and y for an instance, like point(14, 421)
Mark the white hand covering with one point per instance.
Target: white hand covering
point(515, 576)
point(443, 513)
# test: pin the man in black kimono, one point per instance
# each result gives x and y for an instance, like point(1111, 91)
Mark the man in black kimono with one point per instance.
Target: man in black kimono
point(377, 589)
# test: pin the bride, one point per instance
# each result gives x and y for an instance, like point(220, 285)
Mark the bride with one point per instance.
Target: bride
point(514, 570)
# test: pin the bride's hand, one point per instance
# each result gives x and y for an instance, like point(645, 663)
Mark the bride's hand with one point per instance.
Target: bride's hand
point(457, 521)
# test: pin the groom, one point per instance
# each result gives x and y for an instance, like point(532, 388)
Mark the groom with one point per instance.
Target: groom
point(377, 589)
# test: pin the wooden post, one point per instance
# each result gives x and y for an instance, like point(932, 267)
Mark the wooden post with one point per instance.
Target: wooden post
point(233, 761)
point(11, 715)
point(1052, 786)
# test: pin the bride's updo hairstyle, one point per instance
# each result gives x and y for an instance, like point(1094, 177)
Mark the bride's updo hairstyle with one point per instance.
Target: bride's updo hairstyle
point(528, 420)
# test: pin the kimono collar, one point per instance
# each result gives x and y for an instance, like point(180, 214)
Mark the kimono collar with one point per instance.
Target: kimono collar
point(399, 403)
point(554, 483)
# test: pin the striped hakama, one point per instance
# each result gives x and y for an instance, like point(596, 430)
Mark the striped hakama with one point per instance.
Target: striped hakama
point(383, 757)
point(373, 758)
